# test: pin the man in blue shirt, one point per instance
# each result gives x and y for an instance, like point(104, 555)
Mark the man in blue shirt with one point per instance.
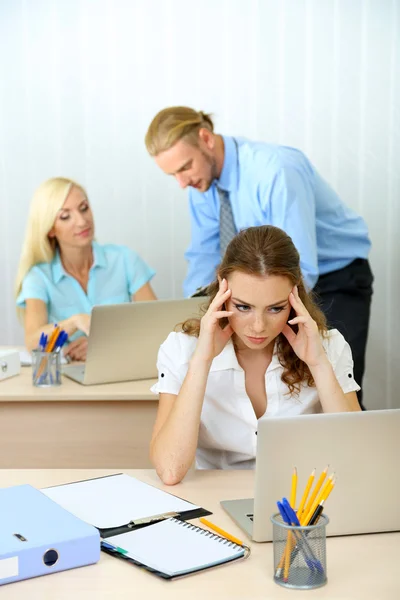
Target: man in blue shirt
point(235, 183)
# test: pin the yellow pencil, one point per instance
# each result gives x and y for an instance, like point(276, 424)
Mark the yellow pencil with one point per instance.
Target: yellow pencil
point(322, 501)
point(326, 489)
point(305, 494)
point(293, 491)
point(224, 534)
point(287, 554)
point(290, 540)
point(316, 490)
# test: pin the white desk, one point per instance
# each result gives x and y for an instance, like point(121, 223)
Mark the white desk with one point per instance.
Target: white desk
point(75, 426)
point(361, 567)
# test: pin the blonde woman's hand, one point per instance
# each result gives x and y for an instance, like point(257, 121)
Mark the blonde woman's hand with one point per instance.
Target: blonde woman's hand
point(307, 342)
point(82, 323)
point(77, 349)
point(213, 339)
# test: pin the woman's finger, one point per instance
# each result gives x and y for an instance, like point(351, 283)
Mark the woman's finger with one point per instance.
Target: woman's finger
point(73, 345)
point(223, 286)
point(297, 320)
point(215, 316)
point(297, 304)
point(295, 298)
point(219, 300)
point(289, 334)
point(220, 314)
point(77, 348)
point(80, 354)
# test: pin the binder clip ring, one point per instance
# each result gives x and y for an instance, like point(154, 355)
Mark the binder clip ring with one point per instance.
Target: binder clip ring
point(50, 557)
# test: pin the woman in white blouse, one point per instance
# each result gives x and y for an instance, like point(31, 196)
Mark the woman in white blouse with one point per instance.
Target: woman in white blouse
point(261, 349)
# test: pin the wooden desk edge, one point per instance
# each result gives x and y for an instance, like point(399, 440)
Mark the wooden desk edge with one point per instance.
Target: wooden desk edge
point(20, 389)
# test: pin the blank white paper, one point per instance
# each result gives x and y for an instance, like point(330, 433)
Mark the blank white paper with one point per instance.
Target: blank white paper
point(114, 501)
point(174, 548)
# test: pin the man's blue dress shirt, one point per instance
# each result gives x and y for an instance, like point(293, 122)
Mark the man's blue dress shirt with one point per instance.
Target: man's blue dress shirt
point(274, 185)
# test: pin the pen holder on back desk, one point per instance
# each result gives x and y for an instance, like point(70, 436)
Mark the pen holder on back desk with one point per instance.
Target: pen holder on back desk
point(299, 554)
point(46, 368)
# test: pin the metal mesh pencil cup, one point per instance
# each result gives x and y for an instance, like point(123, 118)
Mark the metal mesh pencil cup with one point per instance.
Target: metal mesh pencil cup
point(299, 554)
point(46, 368)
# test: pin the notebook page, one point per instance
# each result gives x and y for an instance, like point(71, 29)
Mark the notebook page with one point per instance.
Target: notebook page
point(175, 547)
point(114, 501)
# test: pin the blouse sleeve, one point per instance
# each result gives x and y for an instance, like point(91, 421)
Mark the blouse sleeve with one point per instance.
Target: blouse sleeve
point(137, 271)
point(33, 286)
point(339, 354)
point(171, 365)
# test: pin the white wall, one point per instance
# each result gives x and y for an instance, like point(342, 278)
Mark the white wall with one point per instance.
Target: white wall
point(80, 81)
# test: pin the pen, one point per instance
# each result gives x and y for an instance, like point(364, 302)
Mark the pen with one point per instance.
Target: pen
point(313, 521)
point(153, 519)
point(42, 344)
point(221, 532)
point(295, 521)
point(62, 338)
point(317, 513)
point(297, 549)
point(286, 556)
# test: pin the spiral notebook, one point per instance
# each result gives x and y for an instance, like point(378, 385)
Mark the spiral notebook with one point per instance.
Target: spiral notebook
point(173, 548)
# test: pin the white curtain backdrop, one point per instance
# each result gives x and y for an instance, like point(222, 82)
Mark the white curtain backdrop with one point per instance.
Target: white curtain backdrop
point(80, 81)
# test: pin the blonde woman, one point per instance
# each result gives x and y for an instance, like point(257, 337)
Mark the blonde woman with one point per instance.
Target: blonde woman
point(261, 349)
point(63, 272)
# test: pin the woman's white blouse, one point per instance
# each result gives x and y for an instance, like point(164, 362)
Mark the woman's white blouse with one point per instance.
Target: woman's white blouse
point(227, 436)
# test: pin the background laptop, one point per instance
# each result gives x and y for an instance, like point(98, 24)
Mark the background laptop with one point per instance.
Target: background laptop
point(362, 448)
point(124, 339)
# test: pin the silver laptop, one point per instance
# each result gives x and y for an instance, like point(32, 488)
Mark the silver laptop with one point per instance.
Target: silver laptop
point(124, 339)
point(362, 448)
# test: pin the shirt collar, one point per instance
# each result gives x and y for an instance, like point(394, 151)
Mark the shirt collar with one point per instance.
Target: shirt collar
point(228, 180)
point(58, 269)
point(99, 256)
point(227, 359)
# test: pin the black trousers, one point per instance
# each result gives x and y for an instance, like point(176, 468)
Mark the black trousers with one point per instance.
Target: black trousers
point(345, 298)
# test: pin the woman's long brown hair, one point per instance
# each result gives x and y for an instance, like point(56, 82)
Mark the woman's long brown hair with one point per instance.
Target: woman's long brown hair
point(263, 251)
